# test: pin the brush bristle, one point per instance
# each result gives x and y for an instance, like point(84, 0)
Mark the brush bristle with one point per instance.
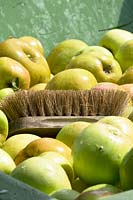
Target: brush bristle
point(92, 102)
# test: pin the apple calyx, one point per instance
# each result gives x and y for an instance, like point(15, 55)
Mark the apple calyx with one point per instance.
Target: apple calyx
point(15, 84)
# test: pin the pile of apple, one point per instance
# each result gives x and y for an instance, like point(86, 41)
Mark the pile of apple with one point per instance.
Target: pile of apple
point(85, 160)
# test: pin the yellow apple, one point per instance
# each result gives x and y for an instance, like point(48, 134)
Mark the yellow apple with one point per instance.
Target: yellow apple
point(14, 144)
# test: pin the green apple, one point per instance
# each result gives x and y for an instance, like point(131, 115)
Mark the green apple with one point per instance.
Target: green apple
point(125, 125)
point(79, 185)
point(103, 187)
point(100, 149)
point(62, 161)
point(29, 57)
point(43, 174)
point(96, 50)
point(104, 68)
point(14, 144)
point(33, 42)
point(3, 127)
point(5, 92)
point(99, 190)
point(38, 86)
point(7, 165)
point(12, 73)
point(125, 55)
point(65, 194)
point(126, 167)
point(127, 77)
point(75, 79)
point(61, 54)
point(70, 131)
point(113, 39)
point(87, 196)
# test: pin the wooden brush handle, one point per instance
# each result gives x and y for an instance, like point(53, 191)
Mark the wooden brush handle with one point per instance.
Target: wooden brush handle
point(45, 126)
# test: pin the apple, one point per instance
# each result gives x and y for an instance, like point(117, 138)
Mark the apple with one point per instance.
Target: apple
point(100, 149)
point(61, 54)
point(128, 87)
point(70, 131)
point(41, 145)
point(75, 79)
point(13, 74)
point(43, 174)
point(79, 185)
point(87, 196)
point(125, 55)
point(107, 85)
point(127, 77)
point(99, 190)
point(7, 165)
point(106, 188)
point(29, 57)
point(104, 68)
point(38, 86)
point(62, 161)
point(125, 125)
point(65, 194)
point(96, 50)
point(3, 127)
point(126, 167)
point(33, 42)
point(5, 92)
point(14, 144)
point(113, 39)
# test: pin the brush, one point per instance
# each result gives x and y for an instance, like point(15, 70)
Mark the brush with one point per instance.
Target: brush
point(45, 112)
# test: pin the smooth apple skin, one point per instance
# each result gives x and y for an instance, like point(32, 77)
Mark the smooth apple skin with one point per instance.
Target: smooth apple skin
point(125, 125)
point(42, 174)
point(4, 127)
point(39, 86)
point(96, 50)
point(5, 92)
point(100, 149)
point(72, 79)
point(10, 69)
point(70, 131)
point(113, 39)
point(41, 145)
point(14, 144)
point(65, 194)
point(61, 54)
point(99, 190)
point(34, 43)
point(7, 164)
point(105, 69)
point(107, 85)
point(31, 59)
point(126, 167)
point(127, 77)
point(62, 161)
point(125, 55)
